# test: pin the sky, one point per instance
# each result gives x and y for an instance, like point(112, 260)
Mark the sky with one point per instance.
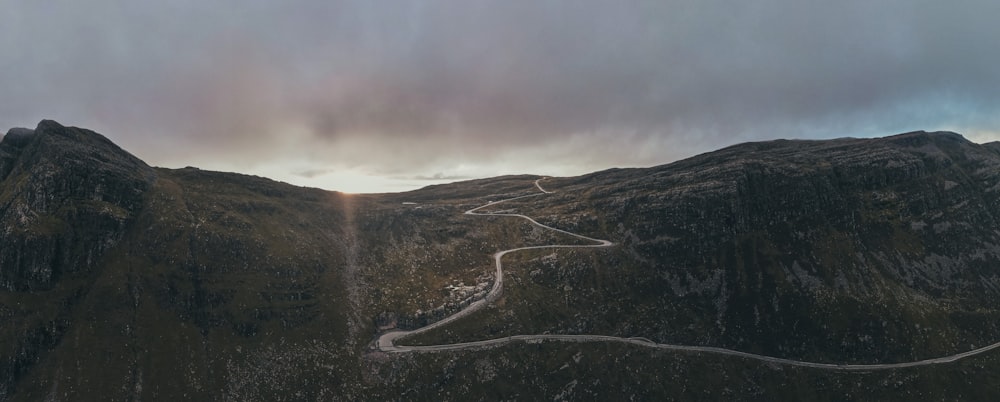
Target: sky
point(385, 96)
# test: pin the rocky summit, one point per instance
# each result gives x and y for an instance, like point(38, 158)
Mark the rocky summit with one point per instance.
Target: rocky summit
point(847, 269)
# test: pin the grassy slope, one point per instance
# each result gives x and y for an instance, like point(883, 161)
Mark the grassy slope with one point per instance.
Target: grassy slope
point(219, 279)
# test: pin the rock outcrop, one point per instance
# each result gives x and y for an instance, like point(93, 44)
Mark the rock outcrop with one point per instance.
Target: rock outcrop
point(66, 196)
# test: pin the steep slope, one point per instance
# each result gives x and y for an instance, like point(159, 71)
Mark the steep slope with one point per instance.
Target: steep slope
point(66, 194)
point(123, 281)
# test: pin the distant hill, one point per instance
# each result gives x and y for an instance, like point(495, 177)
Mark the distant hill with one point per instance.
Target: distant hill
point(123, 281)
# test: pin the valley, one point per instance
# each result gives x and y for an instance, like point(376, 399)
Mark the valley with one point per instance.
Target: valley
point(825, 270)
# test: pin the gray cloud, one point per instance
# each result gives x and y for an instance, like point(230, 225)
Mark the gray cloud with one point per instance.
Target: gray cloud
point(413, 88)
point(437, 177)
point(312, 173)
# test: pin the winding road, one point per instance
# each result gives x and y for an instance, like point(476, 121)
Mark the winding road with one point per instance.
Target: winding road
point(387, 341)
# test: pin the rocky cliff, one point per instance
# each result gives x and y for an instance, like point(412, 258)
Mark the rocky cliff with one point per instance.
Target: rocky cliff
point(67, 194)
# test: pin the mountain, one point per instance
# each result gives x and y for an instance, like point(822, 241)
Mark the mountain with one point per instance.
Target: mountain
point(123, 281)
point(794, 248)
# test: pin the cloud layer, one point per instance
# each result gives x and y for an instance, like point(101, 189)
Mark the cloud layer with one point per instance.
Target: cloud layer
point(316, 91)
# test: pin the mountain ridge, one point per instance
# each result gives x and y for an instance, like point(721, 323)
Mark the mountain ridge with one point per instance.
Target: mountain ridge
point(842, 251)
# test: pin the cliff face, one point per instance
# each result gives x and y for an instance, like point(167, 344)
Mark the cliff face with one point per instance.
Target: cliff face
point(66, 198)
point(121, 281)
point(66, 195)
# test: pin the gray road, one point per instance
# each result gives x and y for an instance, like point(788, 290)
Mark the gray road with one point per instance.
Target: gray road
point(387, 341)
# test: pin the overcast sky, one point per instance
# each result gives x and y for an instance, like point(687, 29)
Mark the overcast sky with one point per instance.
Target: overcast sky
point(365, 96)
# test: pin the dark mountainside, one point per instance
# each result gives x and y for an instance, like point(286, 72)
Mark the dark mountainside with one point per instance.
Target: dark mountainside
point(122, 281)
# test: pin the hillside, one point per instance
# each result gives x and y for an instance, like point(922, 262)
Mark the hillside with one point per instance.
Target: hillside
point(839, 251)
point(124, 281)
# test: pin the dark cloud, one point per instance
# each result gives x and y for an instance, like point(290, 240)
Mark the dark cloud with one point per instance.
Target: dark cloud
point(312, 173)
point(481, 87)
point(437, 177)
